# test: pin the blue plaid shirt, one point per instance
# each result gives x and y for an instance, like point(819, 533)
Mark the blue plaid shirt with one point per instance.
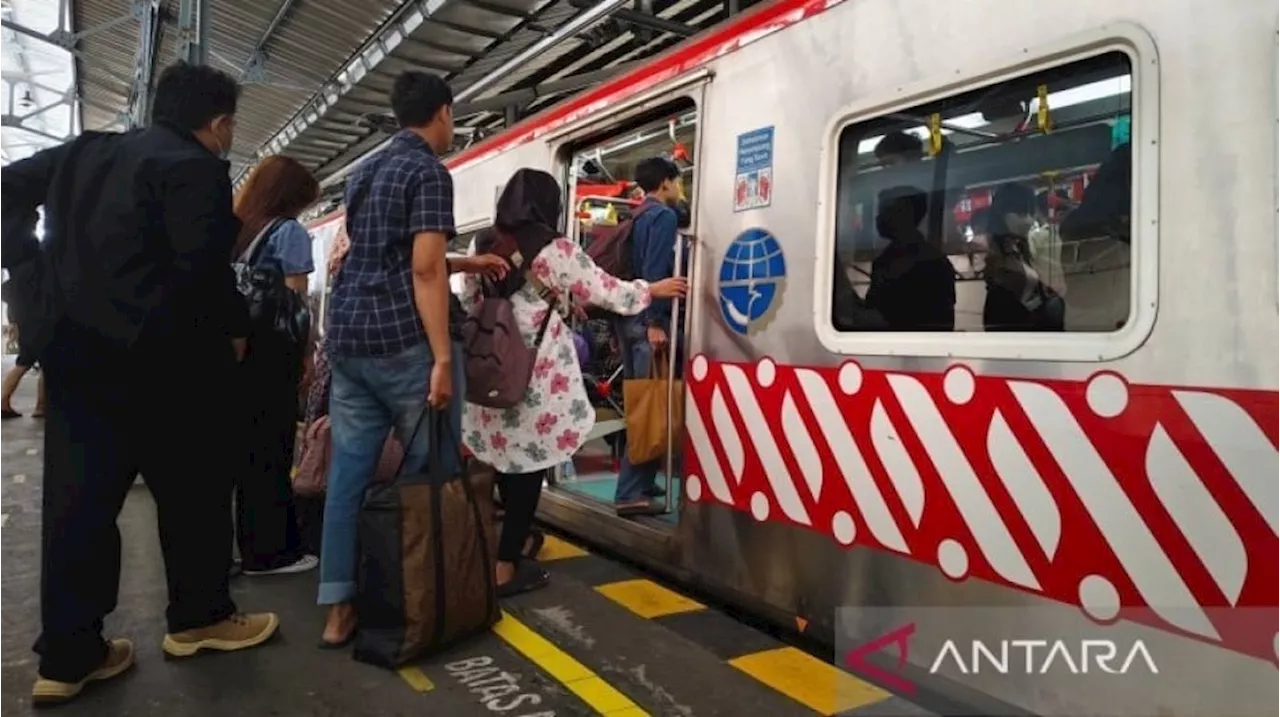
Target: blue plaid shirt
point(409, 191)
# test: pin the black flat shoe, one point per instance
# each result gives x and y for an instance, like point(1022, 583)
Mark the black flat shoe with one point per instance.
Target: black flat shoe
point(529, 576)
point(9, 413)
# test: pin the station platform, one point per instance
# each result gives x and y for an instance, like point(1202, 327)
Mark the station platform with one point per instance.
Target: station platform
point(603, 639)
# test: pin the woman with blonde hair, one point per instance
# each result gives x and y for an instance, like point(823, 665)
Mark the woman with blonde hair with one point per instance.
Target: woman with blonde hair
point(268, 205)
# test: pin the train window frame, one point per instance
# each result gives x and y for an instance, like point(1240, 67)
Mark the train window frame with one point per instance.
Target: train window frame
point(1125, 38)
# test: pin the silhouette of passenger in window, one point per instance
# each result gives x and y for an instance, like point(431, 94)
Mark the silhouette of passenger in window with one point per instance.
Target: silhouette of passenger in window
point(1017, 297)
point(912, 281)
point(1104, 210)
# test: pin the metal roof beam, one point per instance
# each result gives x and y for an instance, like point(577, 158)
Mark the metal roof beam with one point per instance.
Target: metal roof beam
point(409, 16)
point(193, 25)
point(66, 40)
point(578, 23)
point(466, 29)
point(575, 25)
point(148, 15)
point(517, 98)
point(496, 9)
point(438, 46)
point(258, 56)
point(645, 20)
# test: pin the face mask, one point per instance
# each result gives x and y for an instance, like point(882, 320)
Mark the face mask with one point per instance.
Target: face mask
point(224, 151)
point(1019, 224)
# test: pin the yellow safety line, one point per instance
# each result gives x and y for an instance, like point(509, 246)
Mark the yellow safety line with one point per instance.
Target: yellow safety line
point(816, 684)
point(580, 679)
point(648, 599)
point(416, 679)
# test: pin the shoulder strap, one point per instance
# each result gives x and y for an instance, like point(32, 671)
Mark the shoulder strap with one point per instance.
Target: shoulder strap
point(254, 250)
point(360, 194)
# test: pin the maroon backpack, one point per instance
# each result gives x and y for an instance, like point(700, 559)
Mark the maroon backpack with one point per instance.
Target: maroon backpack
point(610, 247)
point(498, 365)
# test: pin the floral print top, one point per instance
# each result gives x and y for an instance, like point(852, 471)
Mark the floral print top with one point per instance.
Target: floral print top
point(552, 423)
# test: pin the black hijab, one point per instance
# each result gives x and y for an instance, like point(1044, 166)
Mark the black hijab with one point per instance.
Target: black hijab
point(529, 211)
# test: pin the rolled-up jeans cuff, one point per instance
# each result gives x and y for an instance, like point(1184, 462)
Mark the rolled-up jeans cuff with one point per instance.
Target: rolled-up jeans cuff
point(336, 593)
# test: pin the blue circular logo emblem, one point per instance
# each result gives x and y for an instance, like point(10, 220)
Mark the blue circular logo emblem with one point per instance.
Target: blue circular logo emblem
point(752, 278)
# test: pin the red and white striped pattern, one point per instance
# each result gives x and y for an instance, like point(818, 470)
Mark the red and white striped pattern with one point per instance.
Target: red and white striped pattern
point(1151, 503)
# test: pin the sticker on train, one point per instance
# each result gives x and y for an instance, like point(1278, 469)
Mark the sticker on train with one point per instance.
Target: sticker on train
point(753, 277)
point(753, 186)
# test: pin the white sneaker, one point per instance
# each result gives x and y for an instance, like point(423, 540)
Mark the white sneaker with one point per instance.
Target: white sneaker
point(301, 565)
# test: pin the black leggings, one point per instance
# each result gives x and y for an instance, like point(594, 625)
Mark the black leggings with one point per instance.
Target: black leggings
point(266, 517)
point(520, 493)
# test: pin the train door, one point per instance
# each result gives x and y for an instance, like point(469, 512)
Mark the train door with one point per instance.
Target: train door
point(601, 193)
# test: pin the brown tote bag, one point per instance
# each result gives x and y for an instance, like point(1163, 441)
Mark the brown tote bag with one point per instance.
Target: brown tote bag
point(644, 401)
point(426, 556)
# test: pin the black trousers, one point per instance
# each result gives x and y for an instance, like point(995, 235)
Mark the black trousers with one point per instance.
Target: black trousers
point(266, 517)
point(520, 493)
point(111, 414)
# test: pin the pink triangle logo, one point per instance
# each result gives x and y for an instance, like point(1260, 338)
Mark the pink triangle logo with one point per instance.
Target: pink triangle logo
point(856, 659)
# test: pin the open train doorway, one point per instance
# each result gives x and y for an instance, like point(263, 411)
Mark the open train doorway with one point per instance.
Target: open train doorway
point(603, 193)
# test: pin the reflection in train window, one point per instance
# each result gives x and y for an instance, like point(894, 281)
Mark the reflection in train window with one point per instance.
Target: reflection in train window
point(1005, 208)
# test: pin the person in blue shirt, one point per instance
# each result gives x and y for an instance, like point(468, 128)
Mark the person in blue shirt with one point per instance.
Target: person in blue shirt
point(654, 232)
point(276, 192)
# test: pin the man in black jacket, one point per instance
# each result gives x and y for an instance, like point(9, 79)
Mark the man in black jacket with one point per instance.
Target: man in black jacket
point(131, 307)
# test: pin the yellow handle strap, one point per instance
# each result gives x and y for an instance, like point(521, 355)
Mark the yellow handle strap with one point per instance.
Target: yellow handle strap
point(1043, 118)
point(935, 134)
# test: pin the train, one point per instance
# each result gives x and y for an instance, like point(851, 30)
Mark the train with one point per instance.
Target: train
point(917, 497)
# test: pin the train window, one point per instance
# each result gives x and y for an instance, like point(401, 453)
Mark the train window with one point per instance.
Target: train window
point(1002, 209)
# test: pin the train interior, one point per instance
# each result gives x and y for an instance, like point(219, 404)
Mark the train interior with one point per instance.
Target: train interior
point(603, 194)
point(1053, 145)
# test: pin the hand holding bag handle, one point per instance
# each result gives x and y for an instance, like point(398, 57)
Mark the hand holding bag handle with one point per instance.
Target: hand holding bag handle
point(438, 425)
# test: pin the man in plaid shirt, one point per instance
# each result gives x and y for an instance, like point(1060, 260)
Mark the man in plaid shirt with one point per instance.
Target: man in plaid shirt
point(392, 323)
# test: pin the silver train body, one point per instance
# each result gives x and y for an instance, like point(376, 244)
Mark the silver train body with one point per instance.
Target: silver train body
point(1098, 483)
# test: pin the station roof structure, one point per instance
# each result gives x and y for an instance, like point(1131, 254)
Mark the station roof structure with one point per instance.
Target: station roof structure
point(317, 72)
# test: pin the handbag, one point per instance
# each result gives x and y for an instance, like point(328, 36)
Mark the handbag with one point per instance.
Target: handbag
point(426, 565)
point(646, 401)
point(310, 475)
point(274, 308)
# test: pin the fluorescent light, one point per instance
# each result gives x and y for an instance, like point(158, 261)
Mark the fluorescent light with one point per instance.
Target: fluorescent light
point(392, 39)
point(1100, 90)
point(411, 22)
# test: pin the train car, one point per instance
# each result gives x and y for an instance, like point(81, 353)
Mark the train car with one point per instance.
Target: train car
point(925, 494)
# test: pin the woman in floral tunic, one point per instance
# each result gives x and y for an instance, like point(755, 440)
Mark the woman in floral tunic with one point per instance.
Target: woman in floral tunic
point(552, 423)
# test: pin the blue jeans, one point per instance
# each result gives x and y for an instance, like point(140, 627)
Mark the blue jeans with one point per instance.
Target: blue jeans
point(634, 481)
point(370, 396)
